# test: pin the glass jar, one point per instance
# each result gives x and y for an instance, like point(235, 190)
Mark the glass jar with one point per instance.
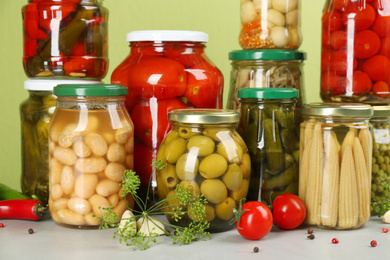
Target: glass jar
point(355, 57)
point(335, 164)
point(204, 152)
point(270, 24)
point(265, 69)
point(35, 114)
point(65, 39)
point(380, 195)
point(165, 70)
point(269, 129)
point(91, 144)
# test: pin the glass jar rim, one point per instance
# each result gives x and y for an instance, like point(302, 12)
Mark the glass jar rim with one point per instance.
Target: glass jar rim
point(167, 35)
point(337, 109)
point(204, 116)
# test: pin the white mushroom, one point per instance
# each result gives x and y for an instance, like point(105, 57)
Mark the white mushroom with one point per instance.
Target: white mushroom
point(275, 17)
point(150, 226)
point(285, 6)
point(248, 12)
point(279, 36)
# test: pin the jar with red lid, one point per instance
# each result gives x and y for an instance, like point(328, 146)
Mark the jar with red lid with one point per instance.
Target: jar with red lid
point(355, 51)
point(165, 70)
point(65, 39)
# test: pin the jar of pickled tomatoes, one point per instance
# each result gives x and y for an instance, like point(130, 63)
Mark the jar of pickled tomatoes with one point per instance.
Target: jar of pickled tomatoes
point(165, 70)
point(355, 57)
point(91, 141)
point(65, 39)
point(270, 24)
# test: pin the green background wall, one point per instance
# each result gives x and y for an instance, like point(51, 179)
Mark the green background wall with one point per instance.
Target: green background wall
point(219, 18)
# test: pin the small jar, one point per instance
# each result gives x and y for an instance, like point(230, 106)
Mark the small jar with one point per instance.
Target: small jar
point(355, 57)
point(269, 128)
point(380, 159)
point(265, 69)
point(65, 39)
point(165, 70)
point(35, 114)
point(204, 152)
point(270, 24)
point(91, 145)
point(335, 164)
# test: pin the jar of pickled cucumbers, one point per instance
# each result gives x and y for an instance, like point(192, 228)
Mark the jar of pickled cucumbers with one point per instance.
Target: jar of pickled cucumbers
point(35, 114)
point(91, 144)
point(265, 69)
point(65, 39)
point(269, 128)
point(165, 70)
point(335, 165)
point(203, 152)
point(270, 24)
point(380, 193)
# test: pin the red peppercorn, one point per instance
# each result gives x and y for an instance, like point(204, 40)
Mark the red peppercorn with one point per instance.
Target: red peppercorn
point(385, 230)
point(1, 225)
point(373, 243)
point(335, 241)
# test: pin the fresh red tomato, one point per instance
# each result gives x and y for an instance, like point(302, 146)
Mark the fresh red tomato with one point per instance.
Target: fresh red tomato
point(256, 221)
point(150, 118)
point(338, 39)
point(143, 158)
point(362, 18)
point(367, 43)
point(158, 77)
point(332, 20)
point(382, 25)
point(377, 67)
point(381, 89)
point(288, 211)
point(205, 86)
point(54, 13)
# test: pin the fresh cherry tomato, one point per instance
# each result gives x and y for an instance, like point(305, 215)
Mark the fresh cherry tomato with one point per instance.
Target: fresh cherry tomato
point(204, 86)
point(256, 221)
point(158, 77)
point(150, 118)
point(381, 25)
point(377, 67)
point(288, 211)
point(362, 18)
point(367, 43)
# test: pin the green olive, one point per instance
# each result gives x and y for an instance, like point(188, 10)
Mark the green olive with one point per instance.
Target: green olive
point(218, 133)
point(214, 190)
point(233, 177)
point(213, 166)
point(241, 192)
point(168, 176)
point(187, 167)
point(173, 203)
point(175, 149)
point(230, 150)
point(204, 145)
point(238, 139)
point(172, 135)
point(246, 165)
point(210, 213)
point(192, 186)
point(224, 210)
point(188, 132)
point(161, 152)
point(162, 188)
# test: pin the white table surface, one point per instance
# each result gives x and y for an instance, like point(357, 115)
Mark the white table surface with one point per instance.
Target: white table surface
point(51, 241)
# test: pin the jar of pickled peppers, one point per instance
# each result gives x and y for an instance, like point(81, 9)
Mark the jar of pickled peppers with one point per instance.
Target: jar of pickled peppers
point(380, 193)
point(204, 153)
point(165, 70)
point(269, 128)
point(91, 140)
point(35, 114)
point(355, 57)
point(270, 24)
point(335, 165)
point(65, 39)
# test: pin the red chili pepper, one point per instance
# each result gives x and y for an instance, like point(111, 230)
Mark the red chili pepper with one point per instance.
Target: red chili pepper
point(30, 23)
point(28, 209)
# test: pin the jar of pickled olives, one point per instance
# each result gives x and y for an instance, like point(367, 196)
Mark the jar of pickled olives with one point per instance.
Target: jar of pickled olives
point(265, 69)
point(65, 39)
point(91, 140)
point(35, 114)
point(203, 152)
point(270, 24)
point(165, 70)
point(335, 164)
point(269, 128)
point(380, 193)
point(355, 57)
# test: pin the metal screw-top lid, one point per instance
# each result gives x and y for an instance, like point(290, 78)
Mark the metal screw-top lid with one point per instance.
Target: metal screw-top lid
point(381, 111)
point(95, 90)
point(268, 93)
point(204, 116)
point(337, 109)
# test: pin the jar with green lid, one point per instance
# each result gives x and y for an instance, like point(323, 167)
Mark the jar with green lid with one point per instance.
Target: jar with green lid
point(335, 164)
point(91, 140)
point(265, 69)
point(269, 129)
point(380, 193)
point(35, 114)
point(203, 152)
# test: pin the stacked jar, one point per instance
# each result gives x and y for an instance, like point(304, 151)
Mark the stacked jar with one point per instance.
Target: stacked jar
point(65, 42)
point(165, 70)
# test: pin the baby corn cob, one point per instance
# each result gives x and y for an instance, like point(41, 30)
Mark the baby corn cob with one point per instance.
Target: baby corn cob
point(304, 172)
point(313, 191)
point(348, 139)
point(366, 142)
point(363, 186)
point(348, 199)
point(335, 139)
point(330, 182)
